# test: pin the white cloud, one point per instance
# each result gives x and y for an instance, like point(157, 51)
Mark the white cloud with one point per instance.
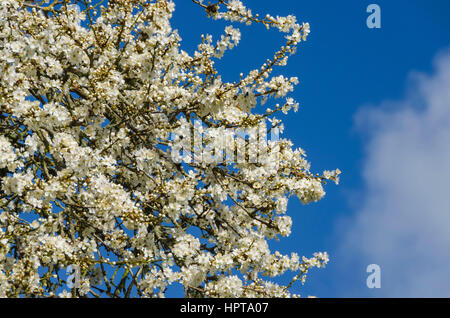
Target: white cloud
point(403, 220)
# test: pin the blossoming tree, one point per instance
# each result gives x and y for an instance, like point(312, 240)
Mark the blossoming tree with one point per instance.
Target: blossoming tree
point(92, 99)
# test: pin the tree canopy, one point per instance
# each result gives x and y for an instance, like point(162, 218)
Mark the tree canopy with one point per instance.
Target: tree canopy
point(126, 158)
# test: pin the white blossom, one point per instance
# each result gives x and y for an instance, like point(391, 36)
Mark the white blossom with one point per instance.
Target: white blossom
point(134, 161)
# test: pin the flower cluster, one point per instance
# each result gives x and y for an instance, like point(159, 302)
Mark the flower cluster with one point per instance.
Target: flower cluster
point(90, 96)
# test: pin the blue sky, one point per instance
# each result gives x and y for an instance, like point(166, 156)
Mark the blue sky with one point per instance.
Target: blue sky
point(367, 97)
